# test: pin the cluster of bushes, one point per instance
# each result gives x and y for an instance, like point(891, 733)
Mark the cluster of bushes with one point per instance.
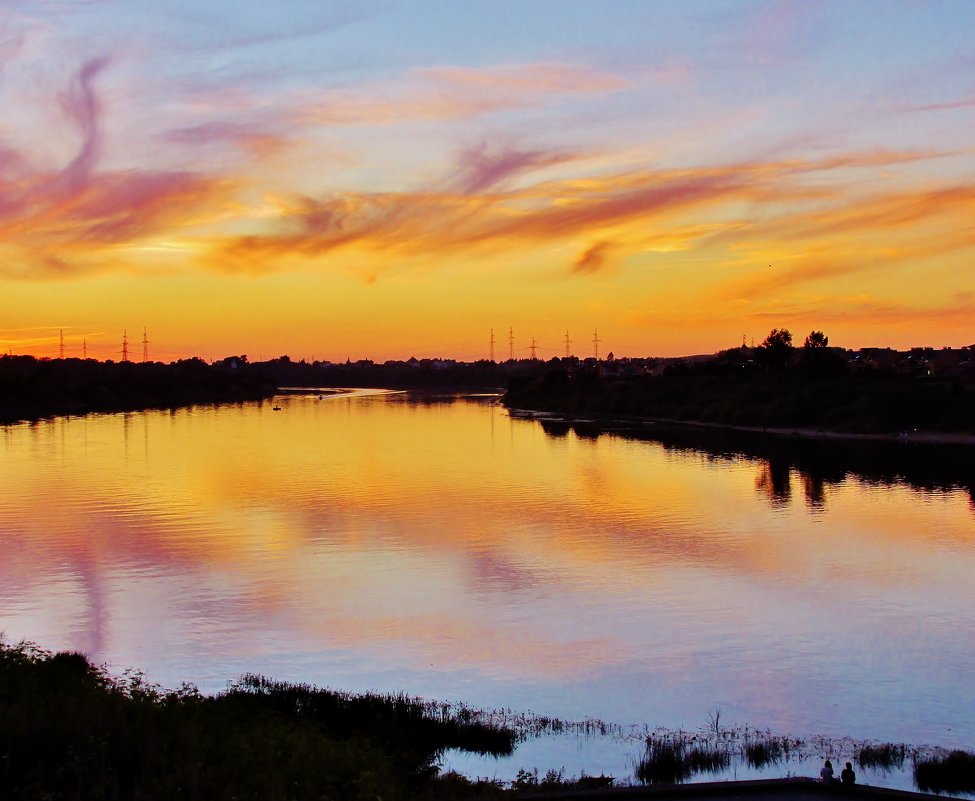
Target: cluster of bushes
point(72, 731)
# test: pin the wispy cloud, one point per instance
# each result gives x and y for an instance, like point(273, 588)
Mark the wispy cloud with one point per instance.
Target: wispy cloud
point(593, 258)
point(441, 221)
point(474, 212)
point(480, 169)
point(968, 102)
point(446, 93)
point(249, 137)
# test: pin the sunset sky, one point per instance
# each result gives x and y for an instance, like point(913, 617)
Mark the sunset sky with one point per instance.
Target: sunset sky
point(387, 179)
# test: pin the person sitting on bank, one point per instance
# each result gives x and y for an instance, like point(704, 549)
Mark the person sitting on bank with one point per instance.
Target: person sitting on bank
point(847, 776)
point(826, 773)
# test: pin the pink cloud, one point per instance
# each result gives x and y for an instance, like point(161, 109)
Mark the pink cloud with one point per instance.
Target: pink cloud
point(949, 106)
point(532, 79)
point(453, 93)
point(83, 108)
point(481, 169)
point(55, 217)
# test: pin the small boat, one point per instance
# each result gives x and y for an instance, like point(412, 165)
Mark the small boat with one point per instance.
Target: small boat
point(275, 408)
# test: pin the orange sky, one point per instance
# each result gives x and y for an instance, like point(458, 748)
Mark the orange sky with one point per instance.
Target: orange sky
point(387, 184)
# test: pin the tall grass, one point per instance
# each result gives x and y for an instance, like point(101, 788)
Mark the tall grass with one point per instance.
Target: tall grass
point(761, 753)
point(952, 773)
point(882, 755)
point(673, 760)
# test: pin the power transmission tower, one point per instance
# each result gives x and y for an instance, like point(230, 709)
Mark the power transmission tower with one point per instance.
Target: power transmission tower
point(145, 346)
point(511, 344)
point(61, 344)
point(567, 343)
point(84, 348)
point(492, 344)
point(533, 349)
point(125, 345)
point(595, 344)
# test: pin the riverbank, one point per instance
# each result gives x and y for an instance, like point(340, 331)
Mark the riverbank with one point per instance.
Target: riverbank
point(647, 424)
point(787, 402)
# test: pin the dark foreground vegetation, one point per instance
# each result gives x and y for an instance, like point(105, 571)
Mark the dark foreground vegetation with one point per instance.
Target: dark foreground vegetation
point(812, 388)
point(70, 731)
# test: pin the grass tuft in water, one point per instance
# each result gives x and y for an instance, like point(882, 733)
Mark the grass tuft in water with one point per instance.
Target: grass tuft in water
point(673, 761)
point(953, 773)
point(884, 755)
point(770, 751)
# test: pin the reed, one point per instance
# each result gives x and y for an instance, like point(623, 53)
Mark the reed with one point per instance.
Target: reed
point(882, 755)
point(672, 760)
point(950, 773)
point(761, 753)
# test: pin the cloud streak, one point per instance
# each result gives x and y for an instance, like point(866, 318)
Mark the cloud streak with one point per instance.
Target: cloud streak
point(475, 212)
point(593, 258)
point(450, 93)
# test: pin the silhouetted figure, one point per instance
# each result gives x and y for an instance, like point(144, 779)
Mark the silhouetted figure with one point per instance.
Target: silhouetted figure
point(826, 773)
point(847, 776)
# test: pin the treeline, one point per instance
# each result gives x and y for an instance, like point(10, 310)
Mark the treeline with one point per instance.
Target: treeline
point(413, 374)
point(72, 731)
point(31, 388)
point(773, 386)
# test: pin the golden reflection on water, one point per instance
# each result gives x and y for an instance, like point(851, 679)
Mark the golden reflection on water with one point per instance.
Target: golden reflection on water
point(362, 534)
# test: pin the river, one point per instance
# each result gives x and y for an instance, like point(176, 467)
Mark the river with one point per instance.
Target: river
point(442, 547)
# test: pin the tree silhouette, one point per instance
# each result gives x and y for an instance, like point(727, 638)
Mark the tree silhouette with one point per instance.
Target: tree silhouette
point(776, 350)
point(816, 339)
point(779, 339)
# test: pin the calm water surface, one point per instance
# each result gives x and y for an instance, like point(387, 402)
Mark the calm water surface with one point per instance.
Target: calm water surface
point(369, 541)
